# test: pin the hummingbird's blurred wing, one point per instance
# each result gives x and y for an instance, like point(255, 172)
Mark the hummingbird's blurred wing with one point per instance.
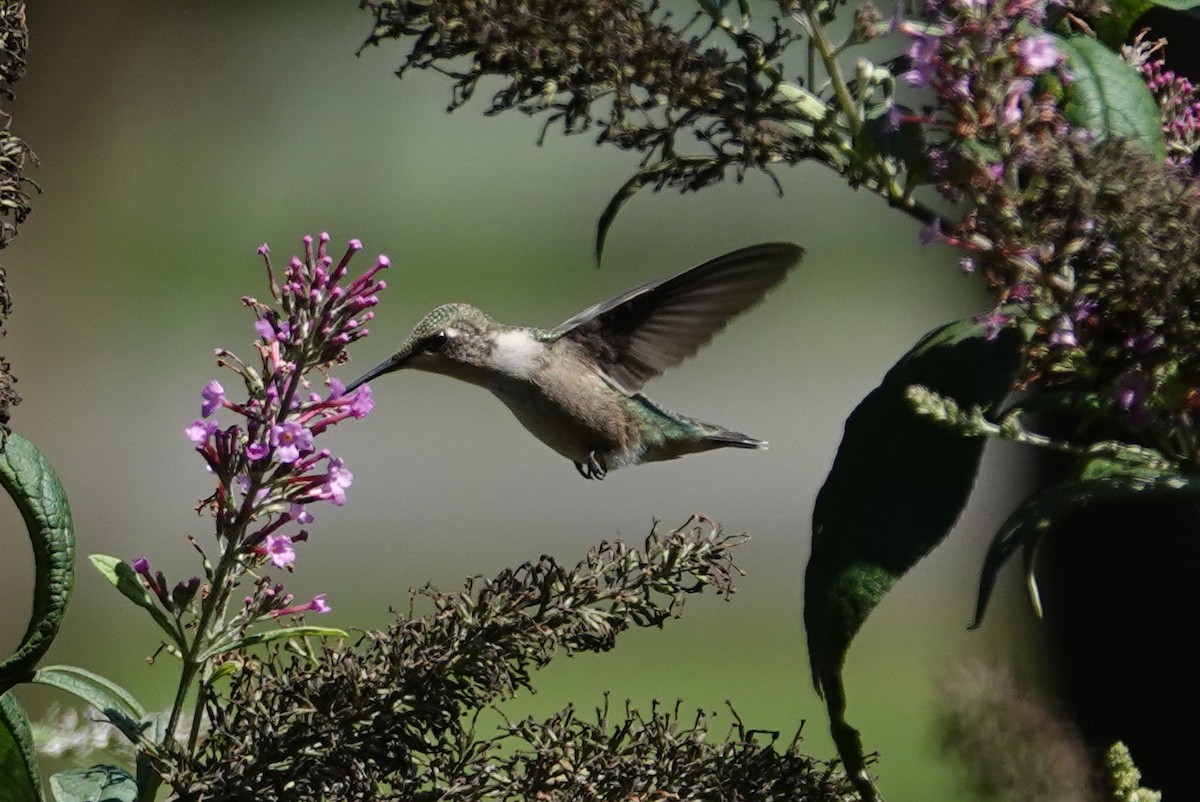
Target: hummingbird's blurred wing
point(640, 333)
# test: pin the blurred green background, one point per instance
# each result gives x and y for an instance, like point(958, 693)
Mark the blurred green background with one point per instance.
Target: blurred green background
point(175, 138)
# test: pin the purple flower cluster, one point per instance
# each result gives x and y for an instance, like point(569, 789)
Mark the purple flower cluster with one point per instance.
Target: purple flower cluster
point(983, 61)
point(268, 466)
point(1179, 101)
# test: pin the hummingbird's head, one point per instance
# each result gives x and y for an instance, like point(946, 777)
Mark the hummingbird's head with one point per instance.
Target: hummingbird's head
point(452, 339)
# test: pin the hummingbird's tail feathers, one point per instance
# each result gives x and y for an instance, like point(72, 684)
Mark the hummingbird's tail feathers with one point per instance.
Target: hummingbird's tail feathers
point(735, 439)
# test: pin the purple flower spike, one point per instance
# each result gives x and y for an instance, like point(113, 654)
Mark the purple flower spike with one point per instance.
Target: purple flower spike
point(270, 461)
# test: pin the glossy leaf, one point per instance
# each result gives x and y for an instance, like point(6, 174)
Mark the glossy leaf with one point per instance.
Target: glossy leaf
point(122, 576)
point(101, 783)
point(117, 704)
point(1109, 472)
point(19, 777)
point(1108, 97)
point(897, 485)
point(42, 502)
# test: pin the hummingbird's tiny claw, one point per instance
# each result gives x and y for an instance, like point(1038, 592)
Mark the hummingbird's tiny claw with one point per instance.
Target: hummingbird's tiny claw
point(594, 468)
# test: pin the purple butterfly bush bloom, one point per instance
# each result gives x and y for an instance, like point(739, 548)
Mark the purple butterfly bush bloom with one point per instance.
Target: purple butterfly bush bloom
point(267, 465)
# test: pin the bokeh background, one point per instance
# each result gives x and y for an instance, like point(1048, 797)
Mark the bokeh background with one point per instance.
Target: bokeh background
point(175, 138)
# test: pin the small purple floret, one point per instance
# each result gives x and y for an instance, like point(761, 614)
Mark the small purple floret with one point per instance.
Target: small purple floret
point(214, 398)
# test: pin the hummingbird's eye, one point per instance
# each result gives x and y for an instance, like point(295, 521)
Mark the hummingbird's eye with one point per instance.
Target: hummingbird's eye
point(434, 342)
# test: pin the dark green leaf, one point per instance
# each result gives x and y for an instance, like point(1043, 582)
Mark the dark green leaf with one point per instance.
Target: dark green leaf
point(42, 502)
point(1113, 28)
point(1108, 97)
point(125, 579)
point(1109, 472)
point(101, 783)
point(117, 704)
point(272, 635)
point(619, 199)
point(19, 777)
point(896, 487)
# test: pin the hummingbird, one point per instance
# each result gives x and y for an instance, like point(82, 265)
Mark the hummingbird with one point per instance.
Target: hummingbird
point(577, 387)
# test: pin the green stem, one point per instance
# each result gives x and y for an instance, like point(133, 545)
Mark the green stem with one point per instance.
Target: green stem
point(825, 49)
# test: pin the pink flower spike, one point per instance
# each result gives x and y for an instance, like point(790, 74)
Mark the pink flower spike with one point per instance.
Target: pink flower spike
point(214, 398)
point(264, 249)
point(256, 451)
point(318, 605)
point(337, 388)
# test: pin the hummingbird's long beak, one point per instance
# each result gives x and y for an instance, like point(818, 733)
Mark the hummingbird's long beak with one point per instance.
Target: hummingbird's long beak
point(395, 363)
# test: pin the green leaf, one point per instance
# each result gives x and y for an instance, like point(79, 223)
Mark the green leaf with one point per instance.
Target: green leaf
point(895, 489)
point(1113, 28)
point(20, 780)
point(101, 783)
point(657, 174)
point(1108, 97)
point(42, 502)
point(1108, 472)
point(619, 199)
point(125, 579)
point(117, 704)
point(272, 635)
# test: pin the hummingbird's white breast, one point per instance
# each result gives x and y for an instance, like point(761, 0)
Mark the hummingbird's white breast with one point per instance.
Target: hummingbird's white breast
point(518, 354)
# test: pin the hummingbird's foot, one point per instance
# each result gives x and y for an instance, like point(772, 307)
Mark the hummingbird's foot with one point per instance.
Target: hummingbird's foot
point(594, 468)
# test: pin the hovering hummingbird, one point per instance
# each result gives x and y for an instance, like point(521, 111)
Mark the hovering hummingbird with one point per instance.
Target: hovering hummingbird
point(577, 387)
